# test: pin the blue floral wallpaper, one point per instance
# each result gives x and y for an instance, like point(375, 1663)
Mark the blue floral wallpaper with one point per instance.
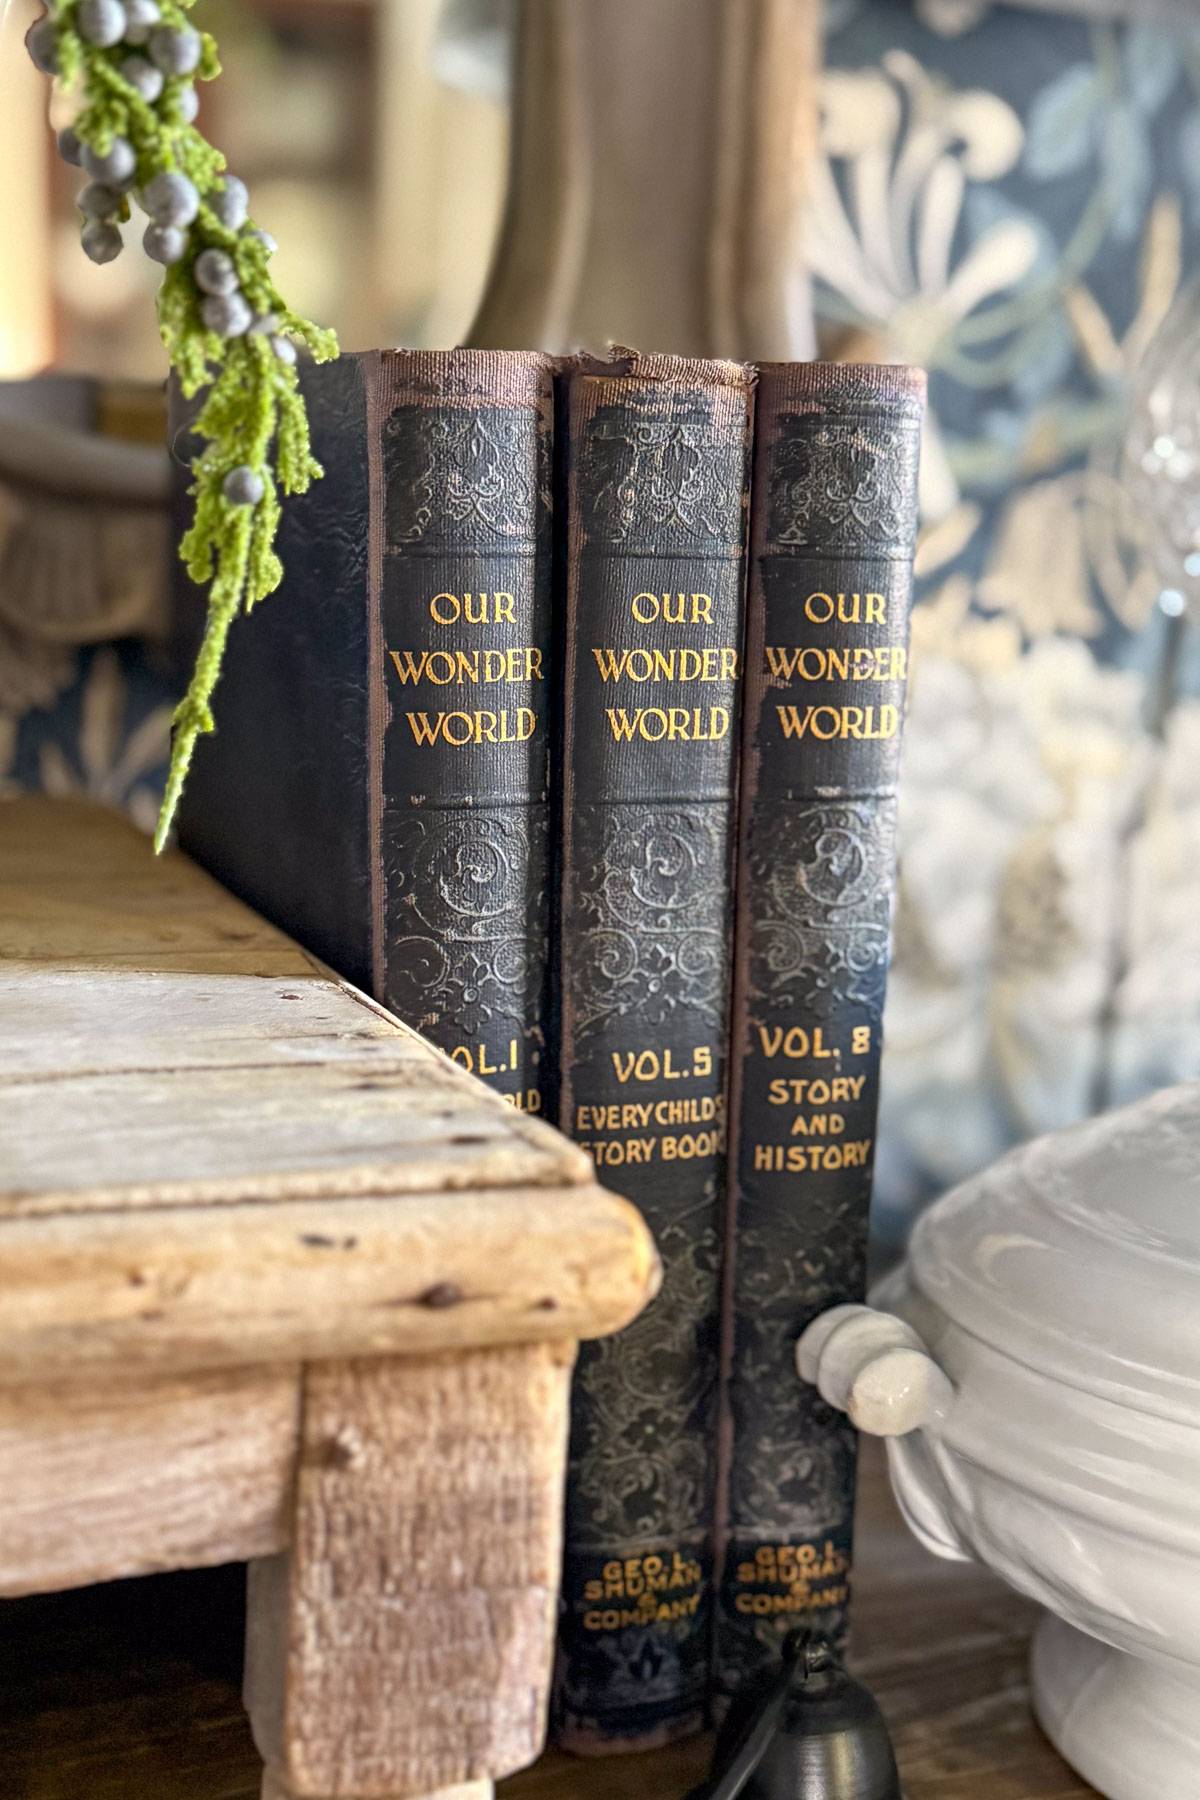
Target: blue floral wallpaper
point(1011, 198)
point(105, 735)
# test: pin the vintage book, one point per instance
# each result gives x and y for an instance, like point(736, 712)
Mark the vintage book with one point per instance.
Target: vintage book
point(656, 461)
point(377, 782)
point(834, 517)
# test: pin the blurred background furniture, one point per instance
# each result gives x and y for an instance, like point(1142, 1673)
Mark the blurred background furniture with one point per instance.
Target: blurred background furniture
point(279, 1283)
point(657, 176)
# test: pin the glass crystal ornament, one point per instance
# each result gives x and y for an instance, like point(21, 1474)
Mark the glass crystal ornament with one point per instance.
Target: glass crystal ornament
point(1161, 471)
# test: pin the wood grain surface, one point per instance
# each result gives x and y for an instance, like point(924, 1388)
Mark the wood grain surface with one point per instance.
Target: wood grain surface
point(80, 888)
point(192, 1288)
point(211, 1456)
point(214, 1152)
point(160, 1044)
point(404, 1644)
point(132, 1692)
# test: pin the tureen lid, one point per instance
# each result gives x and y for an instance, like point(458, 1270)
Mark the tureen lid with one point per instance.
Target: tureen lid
point(1079, 1254)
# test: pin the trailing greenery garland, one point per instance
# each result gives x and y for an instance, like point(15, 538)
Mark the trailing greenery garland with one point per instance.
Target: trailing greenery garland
point(223, 322)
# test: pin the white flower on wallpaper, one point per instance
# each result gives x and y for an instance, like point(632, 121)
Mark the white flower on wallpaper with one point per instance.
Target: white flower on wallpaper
point(929, 240)
point(909, 145)
point(1019, 775)
point(899, 150)
point(1047, 937)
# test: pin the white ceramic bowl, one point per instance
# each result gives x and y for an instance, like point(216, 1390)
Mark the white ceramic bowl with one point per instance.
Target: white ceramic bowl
point(1035, 1367)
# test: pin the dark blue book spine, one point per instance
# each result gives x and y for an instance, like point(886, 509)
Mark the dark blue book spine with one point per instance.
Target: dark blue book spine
point(657, 453)
point(834, 513)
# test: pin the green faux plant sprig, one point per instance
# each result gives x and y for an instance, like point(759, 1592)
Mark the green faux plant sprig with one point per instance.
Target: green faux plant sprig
point(224, 324)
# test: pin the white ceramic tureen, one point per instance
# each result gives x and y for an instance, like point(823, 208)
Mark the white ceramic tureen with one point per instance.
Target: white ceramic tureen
point(1035, 1367)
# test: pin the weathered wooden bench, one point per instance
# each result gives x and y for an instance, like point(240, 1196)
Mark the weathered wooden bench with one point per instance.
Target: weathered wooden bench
point(278, 1282)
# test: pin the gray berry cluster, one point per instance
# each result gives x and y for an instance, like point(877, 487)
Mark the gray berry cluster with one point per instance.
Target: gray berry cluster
point(111, 173)
point(149, 53)
point(224, 308)
point(127, 26)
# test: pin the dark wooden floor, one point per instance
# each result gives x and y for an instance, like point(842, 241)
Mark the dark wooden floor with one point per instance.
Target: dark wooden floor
point(130, 1692)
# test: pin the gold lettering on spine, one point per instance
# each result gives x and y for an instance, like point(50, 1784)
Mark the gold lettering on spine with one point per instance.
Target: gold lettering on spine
point(653, 724)
point(821, 662)
point(815, 1101)
point(714, 663)
point(847, 609)
point(634, 1133)
point(814, 663)
point(825, 722)
point(475, 609)
point(458, 729)
point(675, 664)
point(659, 1588)
point(673, 609)
point(468, 666)
point(792, 1579)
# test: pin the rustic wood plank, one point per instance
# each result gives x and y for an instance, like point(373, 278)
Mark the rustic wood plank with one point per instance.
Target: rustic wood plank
point(67, 1022)
point(403, 1645)
point(99, 1480)
point(200, 1288)
point(178, 1137)
point(200, 1057)
point(80, 886)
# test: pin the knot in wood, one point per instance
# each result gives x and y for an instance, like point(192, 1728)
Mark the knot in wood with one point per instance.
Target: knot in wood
point(342, 1449)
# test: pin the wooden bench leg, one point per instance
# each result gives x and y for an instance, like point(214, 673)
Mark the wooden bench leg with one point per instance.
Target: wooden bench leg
point(466, 1790)
point(403, 1645)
